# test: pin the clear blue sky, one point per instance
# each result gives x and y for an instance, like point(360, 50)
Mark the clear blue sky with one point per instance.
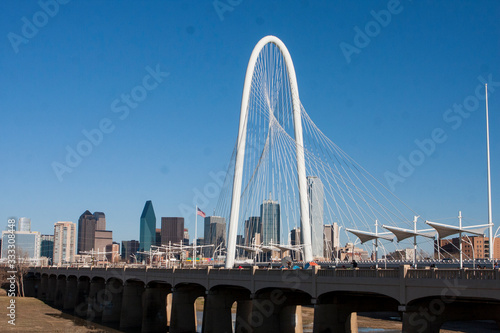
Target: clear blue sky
point(64, 77)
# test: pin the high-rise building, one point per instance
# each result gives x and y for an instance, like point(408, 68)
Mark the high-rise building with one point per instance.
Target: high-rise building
point(86, 232)
point(113, 252)
point(24, 224)
point(253, 227)
point(129, 248)
point(270, 219)
point(47, 246)
point(332, 241)
point(172, 230)
point(186, 237)
point(27, 244)
point(100, 218)
point(295, 239)
point(316, 196)
point(214, 233)
point(158, 237)
point(64, 242)
point(102, 239)
point(147, 235)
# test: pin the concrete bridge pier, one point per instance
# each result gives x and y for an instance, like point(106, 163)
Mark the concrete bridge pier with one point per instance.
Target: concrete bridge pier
point(29, 283)
point(243, 313)
point(44, 288)
point(334, 318)
point(96, 299)
point(70, 293)
point(131, 312)
point(114, 294)
point(277, 311)
point(217, 311)
point(183, 317)
point(82, 294)
point(51, 290)
point(154, 309)
point(60, 290)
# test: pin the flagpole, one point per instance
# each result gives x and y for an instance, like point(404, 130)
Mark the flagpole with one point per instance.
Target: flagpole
point(490, 221)
point(195, 233)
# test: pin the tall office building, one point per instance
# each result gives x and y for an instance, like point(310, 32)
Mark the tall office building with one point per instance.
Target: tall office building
point(172, 230)
point(295, 239)
point(24, 224)
point(147, 235)
point(100, 218)
point(186, 237)
point(64, 242)
point(129, 248)
point(27, 244)
point(214, 233)
point(113, 252)
point(102, 239)
point(332, 241)
point(316, 197)
point(270, 219)
point(86, 232)
point(47, 246)
point(253, 228)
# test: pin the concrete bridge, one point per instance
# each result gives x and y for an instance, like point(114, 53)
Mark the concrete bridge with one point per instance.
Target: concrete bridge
point(160, 300)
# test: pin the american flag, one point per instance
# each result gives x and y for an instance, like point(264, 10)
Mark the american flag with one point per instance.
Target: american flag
point(200, 212)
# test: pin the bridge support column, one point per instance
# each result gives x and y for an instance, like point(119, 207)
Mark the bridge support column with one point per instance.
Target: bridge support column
point(60, 291)
point(169, 308)
point(51, 290)
point(96, 299)
point(131, 313)
point(44, 288)
point(217, 312)
point(154, 310)
point(114, 294)
point(243, 313)
point(334, 318)
point(82, 295)
point(70, 293)
point(291, 319)
point(29, 286)
point(183, 317)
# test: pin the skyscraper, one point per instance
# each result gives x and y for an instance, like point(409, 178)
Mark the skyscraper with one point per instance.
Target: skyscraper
point(24, 224)
point(27, 244)
point(295, 239)
point(100, 218)
point(270, 218)
point(64, 242)
point(86, 232)
point(102, 239)
point(214, 233)
point(147, 235)
point(172, 230)
point(316, 197)
point(253, 227)
point(129, 248)
point(332, 241)
point(47, 246)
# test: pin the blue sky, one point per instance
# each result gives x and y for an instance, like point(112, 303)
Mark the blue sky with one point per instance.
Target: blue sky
point(63, 78)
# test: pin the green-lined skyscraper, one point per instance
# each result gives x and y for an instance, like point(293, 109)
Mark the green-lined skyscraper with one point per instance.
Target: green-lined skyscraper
point(148, 227)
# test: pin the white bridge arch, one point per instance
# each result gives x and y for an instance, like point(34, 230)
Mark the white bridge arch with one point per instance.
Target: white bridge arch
point(240, 152)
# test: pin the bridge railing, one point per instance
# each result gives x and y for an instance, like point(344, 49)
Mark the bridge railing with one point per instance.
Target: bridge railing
point(469, 274)
point(366, 273)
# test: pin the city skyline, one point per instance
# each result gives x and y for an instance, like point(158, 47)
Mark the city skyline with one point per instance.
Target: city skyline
point(380, 103)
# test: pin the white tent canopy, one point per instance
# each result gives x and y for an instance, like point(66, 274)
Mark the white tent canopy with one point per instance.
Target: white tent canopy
point(365, 236)
point(402, 234)
point(445, 230)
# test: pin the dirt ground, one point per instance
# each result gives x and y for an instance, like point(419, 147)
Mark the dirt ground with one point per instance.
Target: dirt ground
point(33, 315)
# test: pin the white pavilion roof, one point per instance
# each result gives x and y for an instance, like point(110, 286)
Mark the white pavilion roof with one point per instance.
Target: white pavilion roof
point(402, 234)
point(445, 230)
point(365, 236)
